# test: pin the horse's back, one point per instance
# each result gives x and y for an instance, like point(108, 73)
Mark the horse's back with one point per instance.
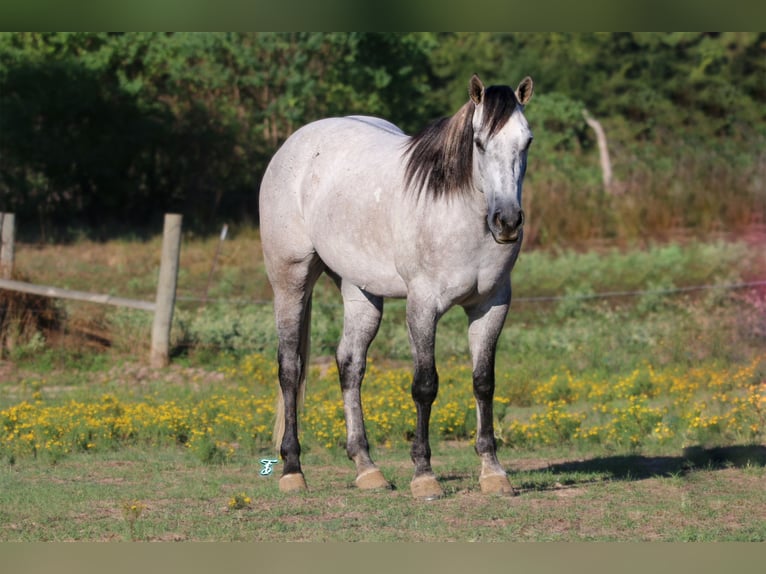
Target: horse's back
point(378, 123)
point(331, 144)
point(330, 155)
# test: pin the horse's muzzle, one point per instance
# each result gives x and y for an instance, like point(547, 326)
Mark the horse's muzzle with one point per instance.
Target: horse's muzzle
point(506, 226)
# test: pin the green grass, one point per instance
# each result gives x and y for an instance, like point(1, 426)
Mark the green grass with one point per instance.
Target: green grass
point(84, 498)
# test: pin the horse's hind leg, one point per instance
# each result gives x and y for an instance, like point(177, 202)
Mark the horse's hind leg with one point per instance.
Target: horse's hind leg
point(361, 319)
point(292, 283)
point(485, 323)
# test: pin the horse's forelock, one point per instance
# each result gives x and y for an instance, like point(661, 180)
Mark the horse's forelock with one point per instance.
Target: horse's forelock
point(499, 103)
point(440, 157)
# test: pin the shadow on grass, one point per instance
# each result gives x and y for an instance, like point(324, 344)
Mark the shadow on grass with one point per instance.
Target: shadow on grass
point(639, 467)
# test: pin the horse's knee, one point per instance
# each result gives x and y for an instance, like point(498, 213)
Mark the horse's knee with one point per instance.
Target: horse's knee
point(425, 386)
point(484, 388)
point(484, 380)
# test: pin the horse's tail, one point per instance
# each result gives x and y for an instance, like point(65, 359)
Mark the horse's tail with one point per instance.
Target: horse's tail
point(304, 348)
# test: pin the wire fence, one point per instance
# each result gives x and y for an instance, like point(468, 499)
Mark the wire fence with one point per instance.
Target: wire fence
point(665, 292)
point(76, 320)
point(640, 293)
point(533, 299)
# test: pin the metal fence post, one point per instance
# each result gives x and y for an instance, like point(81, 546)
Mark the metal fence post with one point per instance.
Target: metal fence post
point(166, 291)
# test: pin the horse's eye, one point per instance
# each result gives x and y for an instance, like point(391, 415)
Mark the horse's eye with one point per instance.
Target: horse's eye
point(479, 145)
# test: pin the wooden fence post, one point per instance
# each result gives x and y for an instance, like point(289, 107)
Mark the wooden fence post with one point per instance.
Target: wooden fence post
point(603, 151)
point(166, 291)
point(7, 233)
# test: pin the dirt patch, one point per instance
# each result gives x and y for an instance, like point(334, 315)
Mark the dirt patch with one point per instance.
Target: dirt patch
point(562, 491)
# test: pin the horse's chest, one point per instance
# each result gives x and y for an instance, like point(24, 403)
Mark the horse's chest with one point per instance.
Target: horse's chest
point(490, 274)
point(466, 278)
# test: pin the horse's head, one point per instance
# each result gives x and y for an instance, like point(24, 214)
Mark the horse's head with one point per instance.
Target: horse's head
point(501, 139)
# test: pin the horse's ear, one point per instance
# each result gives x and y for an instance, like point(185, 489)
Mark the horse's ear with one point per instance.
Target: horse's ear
point(476, 90)
point(524, 91)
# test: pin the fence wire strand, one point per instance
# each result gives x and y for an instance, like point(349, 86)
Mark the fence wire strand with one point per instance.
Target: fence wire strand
point(535, 299)
point(519, 299)
point(667, 292)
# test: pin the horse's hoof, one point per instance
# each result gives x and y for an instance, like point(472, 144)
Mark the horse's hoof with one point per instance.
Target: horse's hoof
point(426, 487)
point(292, 482)
point(496, 484)
point(372, 479)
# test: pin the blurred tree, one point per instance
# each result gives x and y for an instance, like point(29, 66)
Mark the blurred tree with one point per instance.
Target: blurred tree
point(98, 128)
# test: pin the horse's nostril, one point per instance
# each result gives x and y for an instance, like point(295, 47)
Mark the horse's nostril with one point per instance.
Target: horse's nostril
point(509, 222)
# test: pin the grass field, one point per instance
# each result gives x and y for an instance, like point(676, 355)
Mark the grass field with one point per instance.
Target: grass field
point(638, 416)
point(162, 495)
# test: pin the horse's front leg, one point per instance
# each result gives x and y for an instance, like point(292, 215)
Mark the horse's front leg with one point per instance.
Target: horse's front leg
point(362, 314)
point(485, 324)
point(421, 325)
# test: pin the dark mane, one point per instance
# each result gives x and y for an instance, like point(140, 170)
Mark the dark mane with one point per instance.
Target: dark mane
point(440, 157)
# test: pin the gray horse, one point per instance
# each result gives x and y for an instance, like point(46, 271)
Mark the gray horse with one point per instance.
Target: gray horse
point(435, 218)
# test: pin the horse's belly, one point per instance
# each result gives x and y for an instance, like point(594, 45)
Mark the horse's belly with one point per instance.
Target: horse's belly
point(357, 245)
point(371, 271)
